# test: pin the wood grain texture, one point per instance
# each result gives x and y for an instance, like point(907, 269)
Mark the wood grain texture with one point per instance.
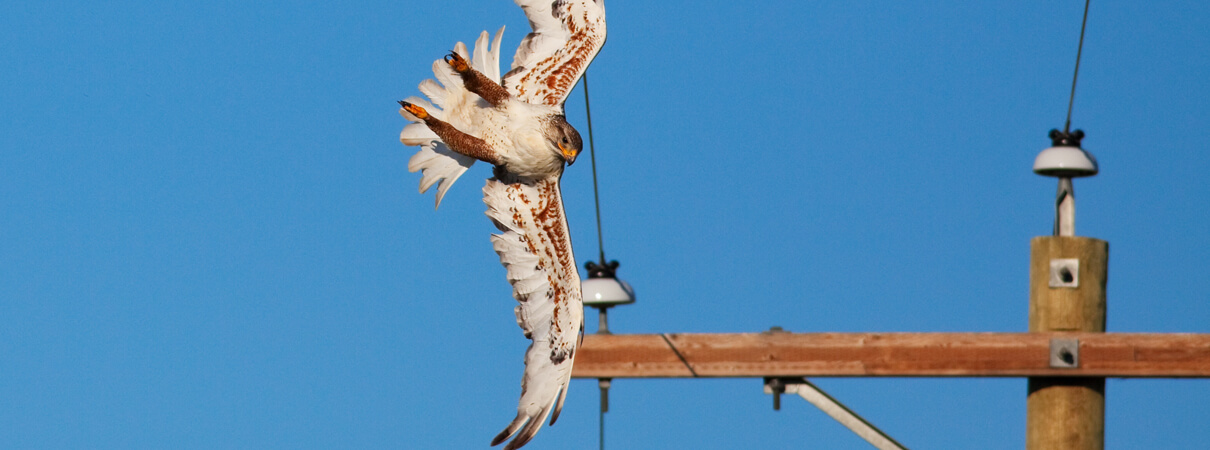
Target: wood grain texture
point(1124, 355)
point(1068, 309)
point(1065, 412)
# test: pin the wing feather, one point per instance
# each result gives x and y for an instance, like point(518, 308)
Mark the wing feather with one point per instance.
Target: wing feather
point(535, 248)
point(567, 36)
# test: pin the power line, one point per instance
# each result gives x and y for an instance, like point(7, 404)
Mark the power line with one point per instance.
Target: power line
point(596, 196)
point(1076, 75)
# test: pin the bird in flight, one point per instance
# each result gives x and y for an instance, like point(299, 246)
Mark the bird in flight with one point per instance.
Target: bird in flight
point(516, 123)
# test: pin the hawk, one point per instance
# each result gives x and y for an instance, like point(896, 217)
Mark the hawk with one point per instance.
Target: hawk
point(516, 123)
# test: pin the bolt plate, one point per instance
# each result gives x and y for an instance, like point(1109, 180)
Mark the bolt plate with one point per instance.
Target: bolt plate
point(1064, 353)
point(1065, 273)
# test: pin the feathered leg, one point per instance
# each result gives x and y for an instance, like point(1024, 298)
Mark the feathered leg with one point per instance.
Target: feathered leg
point(457, 140)
point(476, 82)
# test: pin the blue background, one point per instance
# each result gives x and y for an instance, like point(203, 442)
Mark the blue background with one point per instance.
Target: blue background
point(209, 237)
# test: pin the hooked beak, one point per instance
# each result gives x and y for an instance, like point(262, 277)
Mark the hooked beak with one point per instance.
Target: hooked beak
point(569, 154)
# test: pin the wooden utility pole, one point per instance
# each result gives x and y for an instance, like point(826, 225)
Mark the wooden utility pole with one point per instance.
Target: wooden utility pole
point(1066, 355)
point(1067, 277)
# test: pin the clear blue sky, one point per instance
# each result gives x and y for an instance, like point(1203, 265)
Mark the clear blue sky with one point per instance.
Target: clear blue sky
point(209, 237)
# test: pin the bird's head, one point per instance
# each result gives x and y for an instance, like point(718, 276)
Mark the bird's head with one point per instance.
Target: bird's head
point(564, 139)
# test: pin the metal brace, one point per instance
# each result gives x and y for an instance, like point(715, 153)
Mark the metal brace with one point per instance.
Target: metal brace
point(831, 407)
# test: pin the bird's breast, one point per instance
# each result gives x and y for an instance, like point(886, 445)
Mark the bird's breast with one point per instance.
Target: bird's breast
point(529, 151)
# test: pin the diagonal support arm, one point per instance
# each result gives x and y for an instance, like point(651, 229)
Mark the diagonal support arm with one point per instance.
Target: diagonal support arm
point(832, 408)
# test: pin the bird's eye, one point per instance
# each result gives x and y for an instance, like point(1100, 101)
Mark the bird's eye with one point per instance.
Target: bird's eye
point(564, 140)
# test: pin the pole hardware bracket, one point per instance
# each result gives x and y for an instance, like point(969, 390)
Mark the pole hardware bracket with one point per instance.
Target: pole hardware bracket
point(777, 387)
point(1065, 353)
point(830, 406)
point(1065, 273)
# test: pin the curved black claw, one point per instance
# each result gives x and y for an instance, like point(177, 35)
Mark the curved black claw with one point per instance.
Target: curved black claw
point(414, 110)
point(457, 62)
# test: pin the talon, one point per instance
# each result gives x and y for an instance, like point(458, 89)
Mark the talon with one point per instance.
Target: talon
point(414, 110)
point(457, 62)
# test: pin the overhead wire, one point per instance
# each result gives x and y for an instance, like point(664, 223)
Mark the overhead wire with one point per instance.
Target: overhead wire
point(1079, 52)
point(592, 153)
point(596, 197)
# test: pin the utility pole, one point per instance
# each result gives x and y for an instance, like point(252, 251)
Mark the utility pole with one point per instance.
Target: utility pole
point(1067, 276)
point(1067, 293)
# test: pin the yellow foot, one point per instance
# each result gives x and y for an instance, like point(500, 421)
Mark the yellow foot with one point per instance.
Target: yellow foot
point(457, 62)
point(414, 110)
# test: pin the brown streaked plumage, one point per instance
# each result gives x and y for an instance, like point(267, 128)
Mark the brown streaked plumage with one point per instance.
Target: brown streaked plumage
point(516, 123)
point(545, 73)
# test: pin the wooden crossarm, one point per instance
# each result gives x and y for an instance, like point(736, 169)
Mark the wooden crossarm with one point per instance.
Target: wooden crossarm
point(779, 354)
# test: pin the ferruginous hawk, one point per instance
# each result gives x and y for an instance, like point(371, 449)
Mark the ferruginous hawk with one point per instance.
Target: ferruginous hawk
point(516, 124)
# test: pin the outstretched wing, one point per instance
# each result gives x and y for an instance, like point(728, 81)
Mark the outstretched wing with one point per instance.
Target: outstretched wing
point(567, 35)
point(452, 103)
point(535, 248)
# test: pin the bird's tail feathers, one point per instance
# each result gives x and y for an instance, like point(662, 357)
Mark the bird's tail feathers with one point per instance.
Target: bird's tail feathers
point(487, 57)
point(449, 101)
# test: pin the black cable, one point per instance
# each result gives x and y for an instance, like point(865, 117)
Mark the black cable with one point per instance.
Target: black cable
point(1079, 52)
point(679, 355)
point(596, 196)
